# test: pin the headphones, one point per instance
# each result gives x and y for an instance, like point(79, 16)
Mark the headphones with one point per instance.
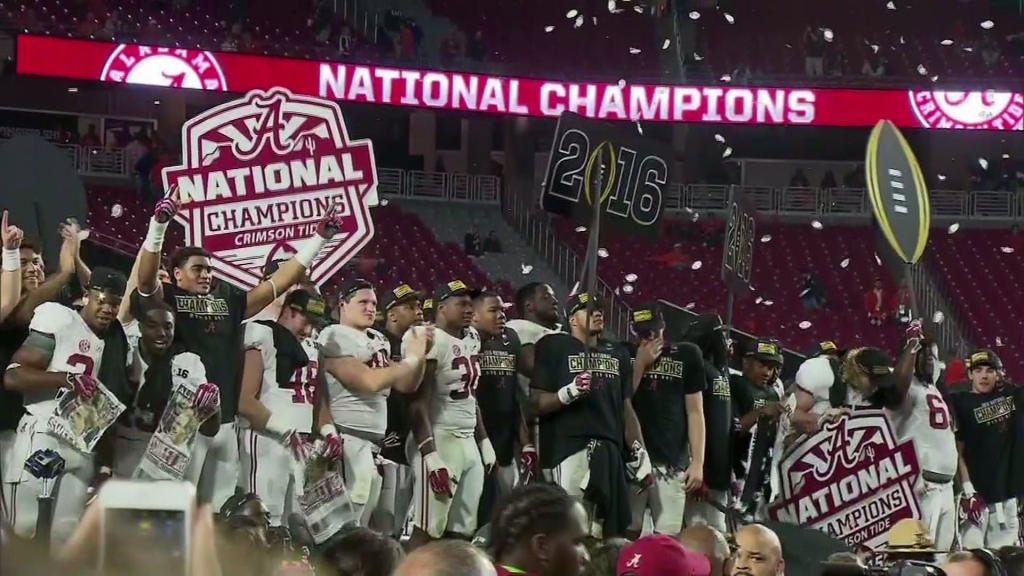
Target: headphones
point(993, 565)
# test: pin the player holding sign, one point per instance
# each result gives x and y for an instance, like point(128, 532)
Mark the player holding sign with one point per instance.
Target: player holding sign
point(583, 400)
point(280, 380)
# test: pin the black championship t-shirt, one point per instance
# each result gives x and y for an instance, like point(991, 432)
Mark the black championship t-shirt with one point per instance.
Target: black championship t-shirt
point(747, 397)
point(660, 402)
point(720, 423)
point(210, 326)
point(497, 393)
point(12, 405)
point(558, 358)
point(393, 446)
point(986, 423)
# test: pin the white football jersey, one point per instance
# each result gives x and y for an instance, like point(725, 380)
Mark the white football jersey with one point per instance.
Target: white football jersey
point(357, 410)
point(187, 369)
point(924, 419)
point(815, 377)
point(78, 350)
point(529, 333)
point(293, 400)
point(453, 405)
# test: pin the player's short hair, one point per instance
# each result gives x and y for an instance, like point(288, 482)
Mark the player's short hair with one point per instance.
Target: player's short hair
point(149, 305)
point(527, 292)
point(180, 256)
point(35, 247)
point(362, 552)
point(483, 296)
point(604, 557)
point(453, 558)
point(527, 511)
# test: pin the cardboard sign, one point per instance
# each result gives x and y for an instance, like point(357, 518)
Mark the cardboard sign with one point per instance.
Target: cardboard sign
point(258, 175)
point(898, 193)
point(738, 256)
point(636, 176)
point(852, 480)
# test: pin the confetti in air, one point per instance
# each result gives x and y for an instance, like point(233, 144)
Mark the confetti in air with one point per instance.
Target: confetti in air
point(922, 70)
point(878, 260)
point(828, 34)
point(1007, 250)
point(729, 18)
point(804, 325)
point(611, 6)
point(726, 78)
point(768, 302)
point(691, 306)
point(602, 252)
point(941, 177)
point(581, 228)
point(527, 269)
point(988, 24)
point(891, 5)
point(696, 265)
point(758, 300)
point(694, 15)
point(938, 317)
point(627, 288)
point(983, 163)
point(999, 341)
point(719, 138)
point(954, 227)
point(946, 42)
point(816, 225)
point(622, 83)
point(639, 128)
point(594, 20)
point(571, 14)
point(117, 211)
point(727, 152)
point(844, 263)
point(874, 48)
point(666, 44)
point(548, 29)
point(631, 278)
point(766, 238)
point(697, 57)
point(935, 78)
point(634, 50)
point(578, 22)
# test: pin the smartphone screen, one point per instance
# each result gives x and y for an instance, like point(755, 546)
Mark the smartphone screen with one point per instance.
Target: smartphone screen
point(135, 539)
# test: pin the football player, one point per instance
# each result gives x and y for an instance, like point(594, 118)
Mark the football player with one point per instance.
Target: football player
point(209, 319)
point(428, 311)
point(987, 423)
point(668, 381)
point(498, 399)
point(159, 367)
point(401, 309)
point(63, 351)
point(581, 390)
point(826, 386)
point(708, 333)
point(360, 377)
point(923, 418)
point(449, 449)
point(280, 381)
point(273, 310)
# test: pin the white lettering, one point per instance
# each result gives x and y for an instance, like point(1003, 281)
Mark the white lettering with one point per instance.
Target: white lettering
point(549, 92)
point(411, 78)
point(435, 90)
point(290, 176)
point(514, 106)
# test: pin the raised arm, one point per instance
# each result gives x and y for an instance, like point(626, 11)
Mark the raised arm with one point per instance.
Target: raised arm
point(49, 290)
point(148, 260)
point(10, 277)
point(354, 374)
point(124, 312)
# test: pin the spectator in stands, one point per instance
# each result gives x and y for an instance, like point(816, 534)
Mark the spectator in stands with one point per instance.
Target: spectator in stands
point(712, 231)
point(880, 69)
point(345, 42)
point(828, 180)
point(477, 49)
point(113, 28)
point(473, 243)
point(417, 35)
point(758, 552)
point(492, 244)
point(385, 45)
point(232, 38)
point(812, 292)
point(323, 16)
point(875, 303)
point(799, 180)
point(814, 52)
point(451, 49)
point(91, 137)
point(674, 258)
point(900, 305)
point(837, 64)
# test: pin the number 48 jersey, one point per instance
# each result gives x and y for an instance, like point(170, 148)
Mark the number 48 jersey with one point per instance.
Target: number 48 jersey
point(292, 400)
point(453, 405)
point(355, 410)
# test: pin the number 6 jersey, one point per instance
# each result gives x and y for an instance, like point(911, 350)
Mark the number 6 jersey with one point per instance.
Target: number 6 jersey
point(453, 404)
point(292, 399)
point(355, 410)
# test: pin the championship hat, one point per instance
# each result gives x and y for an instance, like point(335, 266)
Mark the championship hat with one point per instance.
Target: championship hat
point(353, 285)
point(826, 348)
point(647, 318)
point(877, 365)
point(451, 289)
point(766, 350)
point(400, 295)
point(978, 358)
point(428, 304)
point(108, 280)
point(579, 302)
point(306, 302)
point(661, 555)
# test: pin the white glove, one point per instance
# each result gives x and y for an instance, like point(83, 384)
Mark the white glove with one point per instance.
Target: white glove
point(580, 386)
point(487, 455)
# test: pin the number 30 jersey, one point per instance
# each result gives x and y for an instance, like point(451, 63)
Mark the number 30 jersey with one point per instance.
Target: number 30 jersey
point(292, 400)
point(356, 410)
point(453, 405)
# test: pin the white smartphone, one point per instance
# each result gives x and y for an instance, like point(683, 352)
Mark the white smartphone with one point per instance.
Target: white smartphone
point(154, 517)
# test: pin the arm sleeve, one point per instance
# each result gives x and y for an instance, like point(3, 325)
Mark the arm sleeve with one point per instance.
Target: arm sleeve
point(815, 377)
point(693, 369)
point(544, 373)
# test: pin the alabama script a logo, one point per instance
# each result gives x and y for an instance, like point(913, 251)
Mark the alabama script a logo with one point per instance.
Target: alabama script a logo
point(261, 171)
point(851, 479)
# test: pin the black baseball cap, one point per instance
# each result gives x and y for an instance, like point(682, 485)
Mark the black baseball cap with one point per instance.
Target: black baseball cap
point(579, 301)
point(826, 348)
point(766, 350)
point(453, 288)
point(428, 304)
point(108, 280)
point(647, 318)
point(404, 293)
point(353, 285)
point(877, 365)
point(981, 358)
point(306, 302)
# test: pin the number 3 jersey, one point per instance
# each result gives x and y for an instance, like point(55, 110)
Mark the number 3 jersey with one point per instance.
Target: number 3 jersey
point(290, 398)
point(453, 403)
point(356, 410)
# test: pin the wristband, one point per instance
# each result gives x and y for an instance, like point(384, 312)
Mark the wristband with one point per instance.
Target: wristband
point(968, 489)
point(155, 236)
point(565, 395)
point(11, 259)
point(309, 250)
point(328, 430)
point(106, 470)
point(276, 427)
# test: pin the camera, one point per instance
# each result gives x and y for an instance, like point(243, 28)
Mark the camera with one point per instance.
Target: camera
point(901, 568)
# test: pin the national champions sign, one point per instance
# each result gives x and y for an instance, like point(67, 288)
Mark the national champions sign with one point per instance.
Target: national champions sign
point(852, 480)
point(258, 175)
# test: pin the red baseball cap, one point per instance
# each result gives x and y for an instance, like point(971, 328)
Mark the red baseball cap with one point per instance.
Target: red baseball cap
point(661, 555)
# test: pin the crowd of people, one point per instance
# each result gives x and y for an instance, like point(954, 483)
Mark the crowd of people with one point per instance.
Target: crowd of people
point(415, 433)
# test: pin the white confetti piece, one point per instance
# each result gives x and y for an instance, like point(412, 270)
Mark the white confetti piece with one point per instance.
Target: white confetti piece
point(941, 177)
point(697, 57)
point(968, 49)
point(639, 129)
point(874, 48)
point(691, 306)
point(638, 9)
point(719, 138)
point(602, 252)
point(935, 78)
point(727, 152)
point(954, 227)
point(383, 201)
point(946, 42)
point(844, 263)
point(988, 24)
point(572, 14)
point(983, 163)
point(593, 19)
point(611, 6)
point(726, 78)
point(578, 22)
point(117, 211)
point(616, 291)
point(758, 300)
point(634, 50)
point(768, 302)
point(999, 341)
point(878, 260)
point(828, 35)
point(527, 268)
point(631, 278)
point(696, 265)
point(581, 228)
point(622, 83)
point(694, 15)
point(891, 5)
point(766, 238)
point(816, 225)
point(695, 217)
point(903, 40)
point(804, 325)
point(1007, 250)
point(729, 18)
point(548, 29)
point(938, 317)
point(922, 70)
point(666, 44)
point(627, 288)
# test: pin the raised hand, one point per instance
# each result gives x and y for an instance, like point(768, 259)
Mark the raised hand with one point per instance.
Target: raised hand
point(331, 221)
point(168, 206)
point(914, 334)
point(11, 235)
point(421, 343)
point(207, 396)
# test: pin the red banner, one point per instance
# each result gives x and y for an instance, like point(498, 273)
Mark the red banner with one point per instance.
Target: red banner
point(231, 72)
